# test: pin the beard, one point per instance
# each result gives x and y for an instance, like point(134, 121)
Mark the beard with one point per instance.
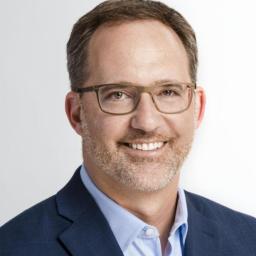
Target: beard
point(136, 173)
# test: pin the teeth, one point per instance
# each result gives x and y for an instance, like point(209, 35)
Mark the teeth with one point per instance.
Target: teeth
point(147, 146)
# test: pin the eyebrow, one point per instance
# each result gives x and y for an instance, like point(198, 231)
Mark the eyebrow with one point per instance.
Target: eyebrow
point(157, 82)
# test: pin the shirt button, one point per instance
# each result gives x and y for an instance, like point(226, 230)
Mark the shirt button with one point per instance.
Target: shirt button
point(149, 232)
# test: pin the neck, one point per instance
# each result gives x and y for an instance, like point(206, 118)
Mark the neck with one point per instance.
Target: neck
point(156, 208)
point(160, 215)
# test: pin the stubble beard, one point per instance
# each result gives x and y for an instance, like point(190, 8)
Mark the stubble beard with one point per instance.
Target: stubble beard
point(135, 173)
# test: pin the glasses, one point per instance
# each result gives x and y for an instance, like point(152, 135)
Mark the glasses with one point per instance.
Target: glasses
point(118, 99)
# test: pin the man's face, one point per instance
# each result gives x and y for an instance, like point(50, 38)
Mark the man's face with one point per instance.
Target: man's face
point(142, 53)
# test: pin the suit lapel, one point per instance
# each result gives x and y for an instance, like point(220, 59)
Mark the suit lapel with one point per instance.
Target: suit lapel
point(89, 233)
point(203, 236)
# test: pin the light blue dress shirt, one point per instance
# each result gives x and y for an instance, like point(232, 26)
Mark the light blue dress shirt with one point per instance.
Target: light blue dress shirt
point(135, 237)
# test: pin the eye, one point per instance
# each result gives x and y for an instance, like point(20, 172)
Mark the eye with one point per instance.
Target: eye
point(116, 95)
point(168, 92)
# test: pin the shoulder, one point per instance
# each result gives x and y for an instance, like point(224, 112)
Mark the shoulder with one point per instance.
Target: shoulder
point(36, 226)
point(225, 231)
point(222, 215)
point(213, 209)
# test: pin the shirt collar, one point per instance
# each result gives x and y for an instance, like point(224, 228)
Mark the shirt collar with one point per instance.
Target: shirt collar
point(126, 226)
point(181, 216)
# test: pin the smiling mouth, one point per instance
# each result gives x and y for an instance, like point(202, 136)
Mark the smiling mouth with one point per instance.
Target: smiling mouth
point(146, 146)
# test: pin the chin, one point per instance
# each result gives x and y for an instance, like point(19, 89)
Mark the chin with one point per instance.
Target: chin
point(145, 179)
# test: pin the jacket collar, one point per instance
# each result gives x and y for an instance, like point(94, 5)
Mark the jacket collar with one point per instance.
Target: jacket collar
point(203, 233)
point(89, 232)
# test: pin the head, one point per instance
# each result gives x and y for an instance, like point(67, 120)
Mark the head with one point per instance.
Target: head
point(121, 11)
point(141, 43)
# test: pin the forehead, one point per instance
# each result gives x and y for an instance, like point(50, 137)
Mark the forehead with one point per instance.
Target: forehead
point(136, 49)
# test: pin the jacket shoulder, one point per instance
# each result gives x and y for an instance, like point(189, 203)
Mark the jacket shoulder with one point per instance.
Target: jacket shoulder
point(216, 211)
point(235, 227)
point(37, 225)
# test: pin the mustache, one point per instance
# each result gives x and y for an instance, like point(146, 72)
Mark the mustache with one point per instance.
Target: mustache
point(146, 136)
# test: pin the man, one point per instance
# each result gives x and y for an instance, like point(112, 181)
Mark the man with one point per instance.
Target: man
point(135, 103)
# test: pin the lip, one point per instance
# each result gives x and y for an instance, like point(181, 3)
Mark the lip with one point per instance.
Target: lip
point(142, 141)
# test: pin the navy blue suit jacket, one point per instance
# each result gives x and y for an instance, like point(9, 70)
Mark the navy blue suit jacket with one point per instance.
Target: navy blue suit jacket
point(70, 223)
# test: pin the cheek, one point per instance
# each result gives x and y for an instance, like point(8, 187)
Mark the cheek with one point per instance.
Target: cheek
point(109, 127)
point(183, 124)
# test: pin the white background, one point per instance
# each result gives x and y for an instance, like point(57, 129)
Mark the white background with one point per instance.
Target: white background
point(39, 151)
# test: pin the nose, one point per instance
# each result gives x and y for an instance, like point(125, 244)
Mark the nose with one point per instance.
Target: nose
point(146, 117)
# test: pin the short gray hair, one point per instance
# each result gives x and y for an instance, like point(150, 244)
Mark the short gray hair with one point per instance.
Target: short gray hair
point(118, 11)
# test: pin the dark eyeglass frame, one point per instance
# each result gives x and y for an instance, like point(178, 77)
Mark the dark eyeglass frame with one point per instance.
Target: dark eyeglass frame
point(141, 89)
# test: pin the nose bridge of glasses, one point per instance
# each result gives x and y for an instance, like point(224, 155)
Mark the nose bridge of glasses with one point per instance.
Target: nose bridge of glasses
point(145, 90)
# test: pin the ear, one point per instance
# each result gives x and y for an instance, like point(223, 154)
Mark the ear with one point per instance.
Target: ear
point(199, 106)
point(73, 111)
